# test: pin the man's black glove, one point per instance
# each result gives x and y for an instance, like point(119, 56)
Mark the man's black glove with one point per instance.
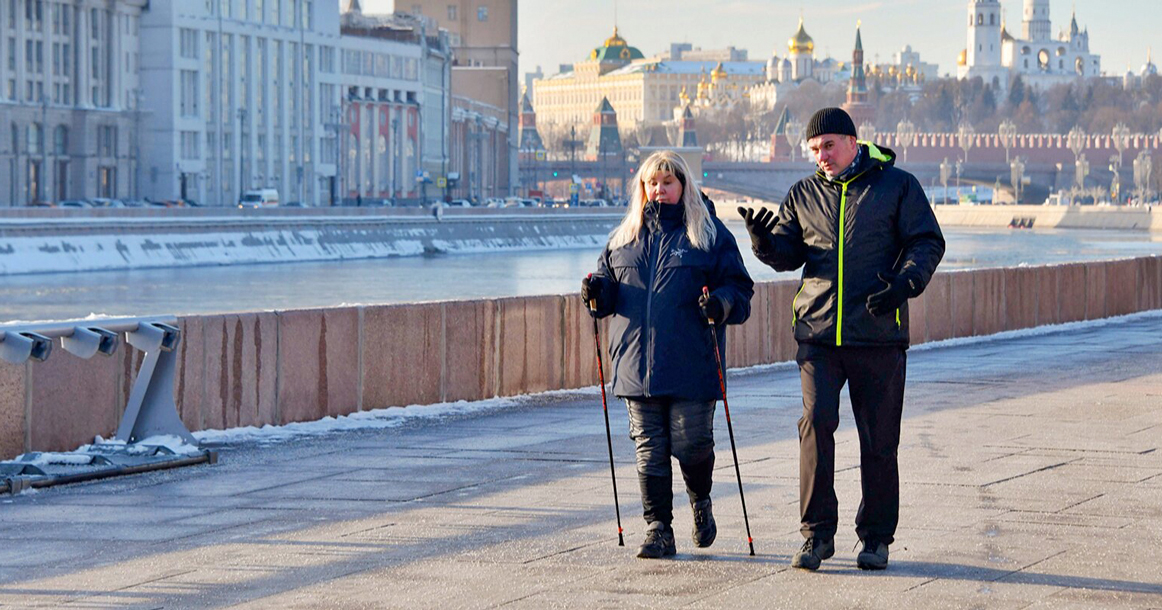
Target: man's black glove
point(759, 224)
point(896, 292)
point(592, 289)
point(712, 308)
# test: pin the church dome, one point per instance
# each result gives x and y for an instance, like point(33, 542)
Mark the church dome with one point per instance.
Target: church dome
point(615, 49)
point(801, 42)
point(1149, 69)
point(718, 73)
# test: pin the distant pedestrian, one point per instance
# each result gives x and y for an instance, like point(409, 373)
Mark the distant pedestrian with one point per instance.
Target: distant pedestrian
point(438, 211)
point(867, 240)
point(650, 279)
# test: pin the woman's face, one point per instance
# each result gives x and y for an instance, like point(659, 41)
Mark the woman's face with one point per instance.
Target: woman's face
point(663, 187)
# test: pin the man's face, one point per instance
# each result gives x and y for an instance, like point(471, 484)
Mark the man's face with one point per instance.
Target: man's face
point(832, 152)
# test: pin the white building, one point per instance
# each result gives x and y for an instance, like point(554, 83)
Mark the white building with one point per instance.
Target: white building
point(69, 92)
point(1039, 59)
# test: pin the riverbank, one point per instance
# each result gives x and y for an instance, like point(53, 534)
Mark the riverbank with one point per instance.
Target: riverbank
point(70, 244)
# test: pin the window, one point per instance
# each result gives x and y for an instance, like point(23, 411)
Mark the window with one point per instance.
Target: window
point(452, 12)
point(60, 140)
point(482, 13)
point(327, 60)
point(189, 93)
point(259, 13)
point(189, 43)
point(190, 140)
point(35, 138)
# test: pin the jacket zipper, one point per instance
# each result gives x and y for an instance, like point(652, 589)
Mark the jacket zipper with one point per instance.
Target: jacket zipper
point(842, 238)
point(656, 242)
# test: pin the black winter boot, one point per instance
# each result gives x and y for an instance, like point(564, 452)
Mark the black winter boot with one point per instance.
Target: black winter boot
point(874, 556)
point(659, 542)
point(705, 530)
point(813, 552)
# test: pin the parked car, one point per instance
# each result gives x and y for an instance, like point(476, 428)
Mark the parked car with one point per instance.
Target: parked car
point(459, 203)
point(75, 203)
point(494, 202)
point(260, 198)
point(42, 204)
point(102, 202)
point(135, 203)
point(295, 204)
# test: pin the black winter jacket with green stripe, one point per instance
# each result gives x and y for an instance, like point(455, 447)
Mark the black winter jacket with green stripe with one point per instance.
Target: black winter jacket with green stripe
point(887, 226)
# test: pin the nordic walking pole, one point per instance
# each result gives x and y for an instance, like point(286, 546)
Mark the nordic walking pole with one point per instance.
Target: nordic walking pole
point(729, 427)
point(605, 407)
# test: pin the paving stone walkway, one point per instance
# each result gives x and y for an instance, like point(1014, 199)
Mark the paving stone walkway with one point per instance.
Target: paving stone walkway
point(1031, 478)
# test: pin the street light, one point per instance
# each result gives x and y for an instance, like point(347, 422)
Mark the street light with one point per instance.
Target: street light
point(867, 131)
point(1121, 140)
point(1080, 172)
point(1017, 168)
point(1143, 167)
point(959, 165)
point(1008, 134)
point(793, 131)
point(906, 135)
point(965, 139)
point(945, 172)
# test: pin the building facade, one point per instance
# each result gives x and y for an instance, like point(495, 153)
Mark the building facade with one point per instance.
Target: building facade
point(70, 99)
point(643, 92)
point(397, 97)
point(238, 96)
point(1039, 59)
point(483, 35)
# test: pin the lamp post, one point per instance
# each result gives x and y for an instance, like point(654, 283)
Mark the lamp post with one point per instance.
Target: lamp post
point(959, 165)
point(793, 131)
point(1143, 167)
point(965, 139)
point(906, 135)
point(945, 172)
point(1017, 168)
point(867, 131)
point(1008, 135)
point(1121, 140)
point(242, 179)
point(1081, 170)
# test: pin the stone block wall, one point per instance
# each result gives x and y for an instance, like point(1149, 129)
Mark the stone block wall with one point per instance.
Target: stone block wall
point(253, 369)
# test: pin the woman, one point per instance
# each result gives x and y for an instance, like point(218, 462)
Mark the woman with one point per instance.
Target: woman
point(650, 279)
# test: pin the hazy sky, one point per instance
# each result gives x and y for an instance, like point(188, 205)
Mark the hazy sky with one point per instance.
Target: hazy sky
point(553, 32)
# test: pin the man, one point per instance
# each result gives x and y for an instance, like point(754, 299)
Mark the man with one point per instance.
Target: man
point(867, 240)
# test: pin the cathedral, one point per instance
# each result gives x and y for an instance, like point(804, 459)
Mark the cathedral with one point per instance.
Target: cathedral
point(1037, 57)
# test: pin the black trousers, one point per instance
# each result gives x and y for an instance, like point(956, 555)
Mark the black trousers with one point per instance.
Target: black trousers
point(876, 377)
point(664, 427)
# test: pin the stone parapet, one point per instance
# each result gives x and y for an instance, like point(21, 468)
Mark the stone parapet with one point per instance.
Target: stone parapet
point(254, 369)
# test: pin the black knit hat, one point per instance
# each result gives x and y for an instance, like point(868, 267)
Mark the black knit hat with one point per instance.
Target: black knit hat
point(830, 120)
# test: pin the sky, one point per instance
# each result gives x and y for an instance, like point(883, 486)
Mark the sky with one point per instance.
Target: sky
point(552, 32)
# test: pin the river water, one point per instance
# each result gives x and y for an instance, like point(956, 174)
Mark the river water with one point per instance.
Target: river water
point(444, 277)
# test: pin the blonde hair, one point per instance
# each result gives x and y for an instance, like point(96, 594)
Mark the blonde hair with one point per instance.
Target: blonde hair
point(699, 226)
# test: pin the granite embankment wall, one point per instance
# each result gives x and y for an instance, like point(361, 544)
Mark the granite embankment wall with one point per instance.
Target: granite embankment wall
point(65, 244)
point(286, 366)
point(1044, 216)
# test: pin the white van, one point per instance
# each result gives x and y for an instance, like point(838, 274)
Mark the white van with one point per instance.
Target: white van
point(261, 198)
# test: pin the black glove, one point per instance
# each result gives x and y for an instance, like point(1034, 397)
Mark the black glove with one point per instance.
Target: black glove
point(592, 287)
point(712, 308)
point(759, 224)
point(896, 292)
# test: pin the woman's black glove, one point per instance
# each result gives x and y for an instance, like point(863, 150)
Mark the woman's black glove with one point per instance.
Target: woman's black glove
point(760, 224)
point(592, 289)
point(896, 292)
point(712, 308)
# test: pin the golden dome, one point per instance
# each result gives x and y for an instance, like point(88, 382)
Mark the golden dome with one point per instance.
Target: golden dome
point(615, 40)
point(963, 58)
point(718, 73)
point(801, 42)
point(685, 97)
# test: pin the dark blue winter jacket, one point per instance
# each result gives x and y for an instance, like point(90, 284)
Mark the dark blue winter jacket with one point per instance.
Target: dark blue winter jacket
point(659, 341)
